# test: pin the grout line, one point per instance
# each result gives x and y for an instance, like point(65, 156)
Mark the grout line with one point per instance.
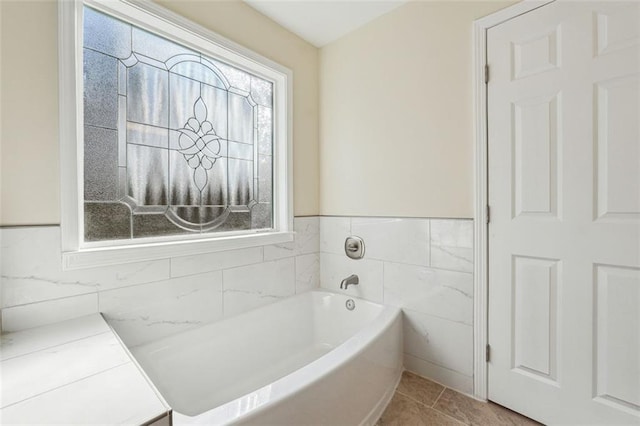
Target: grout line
point(222, 304)
point(462, 422)
point(434, 380)
point(398, 391)
point(449, 270)
point(467, 395)
point(383, 292)
point(46, 348)
point(435, 268)
point(222, 291)
point(432, 407)
point(109, 290)
point(66, 384)
point(404, 309)
point(295, 274)
point(450, 416)
point(444, 388)
point(429, 245)
point(55, 299)
point(212, 270)
point(411, 398)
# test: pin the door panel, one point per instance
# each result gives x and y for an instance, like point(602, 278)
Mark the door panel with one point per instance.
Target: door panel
point(535, 305)
point(535, 163)
point(617, 150)
point(564, 190)
point(618, 325)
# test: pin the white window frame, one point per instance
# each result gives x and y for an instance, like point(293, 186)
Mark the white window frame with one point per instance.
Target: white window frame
point(76, 253)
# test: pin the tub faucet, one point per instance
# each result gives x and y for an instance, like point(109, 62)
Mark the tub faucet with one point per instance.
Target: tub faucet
point(350, 280)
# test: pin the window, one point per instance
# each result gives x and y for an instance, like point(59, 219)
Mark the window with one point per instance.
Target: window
point(174, 136)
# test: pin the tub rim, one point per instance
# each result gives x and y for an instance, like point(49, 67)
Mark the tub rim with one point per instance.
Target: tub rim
point(302, 378)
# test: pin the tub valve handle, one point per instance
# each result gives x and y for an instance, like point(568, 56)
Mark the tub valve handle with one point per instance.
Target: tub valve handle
point(350, 280)
point(354, 247)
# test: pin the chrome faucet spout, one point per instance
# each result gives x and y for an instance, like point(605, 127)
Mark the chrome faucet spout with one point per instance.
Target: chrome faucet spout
point(350, 280)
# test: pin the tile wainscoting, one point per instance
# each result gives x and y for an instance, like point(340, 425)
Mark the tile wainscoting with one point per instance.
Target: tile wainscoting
point(424, 266)
point(149, 300)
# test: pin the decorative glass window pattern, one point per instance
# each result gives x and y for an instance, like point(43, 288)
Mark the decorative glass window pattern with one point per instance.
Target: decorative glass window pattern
point(175, 141)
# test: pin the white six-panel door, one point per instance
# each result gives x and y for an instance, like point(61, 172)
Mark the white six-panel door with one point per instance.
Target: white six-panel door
point(564, 192)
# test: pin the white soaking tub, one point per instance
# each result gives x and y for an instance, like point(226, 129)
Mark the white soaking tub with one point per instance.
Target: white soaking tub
point(304, 360)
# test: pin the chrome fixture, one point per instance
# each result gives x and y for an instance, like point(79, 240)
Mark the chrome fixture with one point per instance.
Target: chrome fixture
point(350, 280)
point(350, 304)
point(354, 247)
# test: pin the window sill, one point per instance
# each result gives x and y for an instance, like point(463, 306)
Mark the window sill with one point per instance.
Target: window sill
point(87, 258)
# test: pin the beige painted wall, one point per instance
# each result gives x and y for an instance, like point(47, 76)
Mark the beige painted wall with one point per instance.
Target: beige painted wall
point(30, 190)
point(29, 121)
point(396, 114)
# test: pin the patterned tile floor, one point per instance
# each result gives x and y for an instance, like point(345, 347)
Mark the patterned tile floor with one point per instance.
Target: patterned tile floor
point(419, 401)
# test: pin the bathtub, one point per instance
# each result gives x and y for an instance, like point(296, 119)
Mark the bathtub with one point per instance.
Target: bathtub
point(304, 360)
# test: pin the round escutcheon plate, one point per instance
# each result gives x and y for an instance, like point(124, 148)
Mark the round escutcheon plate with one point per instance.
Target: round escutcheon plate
point(351, 305)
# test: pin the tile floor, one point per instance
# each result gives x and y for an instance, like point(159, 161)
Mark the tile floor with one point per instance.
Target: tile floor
point(419, 401)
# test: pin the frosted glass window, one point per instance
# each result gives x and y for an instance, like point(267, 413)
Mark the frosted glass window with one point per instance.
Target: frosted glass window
point(175, 141)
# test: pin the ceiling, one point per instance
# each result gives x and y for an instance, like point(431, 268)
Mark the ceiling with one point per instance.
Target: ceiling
point(322, 21)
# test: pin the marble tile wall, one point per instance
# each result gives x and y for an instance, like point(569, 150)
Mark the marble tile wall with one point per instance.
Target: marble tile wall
point(148, 300)
point(424, 266)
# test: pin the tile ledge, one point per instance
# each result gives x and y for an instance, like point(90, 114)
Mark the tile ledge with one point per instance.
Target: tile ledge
point(72, 331)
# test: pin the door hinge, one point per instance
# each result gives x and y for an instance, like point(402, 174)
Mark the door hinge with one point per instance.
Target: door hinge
point(488, 354)
point(488, 214)
point(486, 74)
